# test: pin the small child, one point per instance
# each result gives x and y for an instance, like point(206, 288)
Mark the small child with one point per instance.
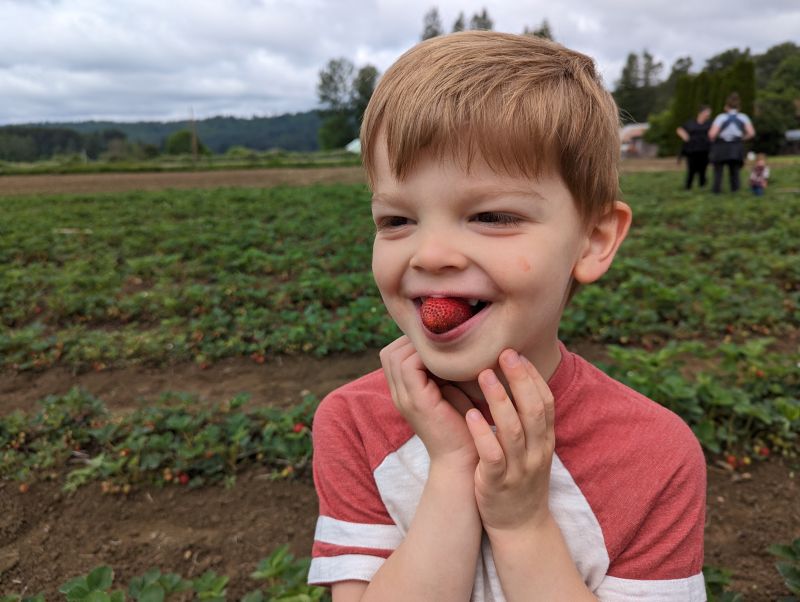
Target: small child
point(759, 175)
point(485, 461)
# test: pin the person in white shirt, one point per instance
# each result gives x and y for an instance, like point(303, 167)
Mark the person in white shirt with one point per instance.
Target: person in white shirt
point(727, 134)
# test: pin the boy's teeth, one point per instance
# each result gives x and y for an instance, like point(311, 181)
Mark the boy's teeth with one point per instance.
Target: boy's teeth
point(473, 302)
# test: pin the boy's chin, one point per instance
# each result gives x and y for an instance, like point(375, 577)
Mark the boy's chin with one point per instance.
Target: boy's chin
point(449, 368)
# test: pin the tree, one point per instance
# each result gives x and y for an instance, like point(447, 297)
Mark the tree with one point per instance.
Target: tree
point(363, 87)
point(335, 86)
point(650, 70)
point(432, 24)
point(726, 59)
point(344, 99)
point(626, 92)
point(336, 131)
point(778, 106)
point(180, 143)
point(459, 23)
point(481, 21)
point(767, 63)
point(543, 31)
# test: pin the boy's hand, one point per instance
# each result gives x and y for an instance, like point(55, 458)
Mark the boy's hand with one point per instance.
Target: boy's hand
point(513, 474)
point(436, 414)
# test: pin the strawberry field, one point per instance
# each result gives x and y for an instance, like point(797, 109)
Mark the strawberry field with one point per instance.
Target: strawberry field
point(162, 352)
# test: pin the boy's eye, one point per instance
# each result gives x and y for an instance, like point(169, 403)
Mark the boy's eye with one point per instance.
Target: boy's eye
point(391, 221)
point(496, 218)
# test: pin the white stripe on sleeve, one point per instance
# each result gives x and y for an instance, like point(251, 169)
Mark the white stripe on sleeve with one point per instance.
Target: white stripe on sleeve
point(360, 535)
point(690, 589)
point(326, 570)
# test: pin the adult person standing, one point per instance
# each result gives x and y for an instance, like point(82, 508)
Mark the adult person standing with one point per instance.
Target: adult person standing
point(727, 134)
point(696, 145)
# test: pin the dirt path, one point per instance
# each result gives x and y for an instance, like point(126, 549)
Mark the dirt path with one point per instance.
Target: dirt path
point(117, 182)
point(253, 178)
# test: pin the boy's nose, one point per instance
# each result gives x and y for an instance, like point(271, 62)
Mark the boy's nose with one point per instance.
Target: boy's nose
point(437, 251)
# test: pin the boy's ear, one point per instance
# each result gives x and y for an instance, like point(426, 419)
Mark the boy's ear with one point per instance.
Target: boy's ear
point(602, 242)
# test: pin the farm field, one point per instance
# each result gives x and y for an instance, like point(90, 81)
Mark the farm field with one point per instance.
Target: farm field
point(184, 298)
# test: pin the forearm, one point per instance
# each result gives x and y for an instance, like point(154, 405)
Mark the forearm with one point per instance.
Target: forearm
point(537, 560)
point(439, 555)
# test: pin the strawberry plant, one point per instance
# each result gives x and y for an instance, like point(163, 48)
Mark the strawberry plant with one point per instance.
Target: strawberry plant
point(284, 578)
point(717, 582)
point(177, 442)
point(789, 567)
point(93, 587)
point(743, 397)
point(157, 277)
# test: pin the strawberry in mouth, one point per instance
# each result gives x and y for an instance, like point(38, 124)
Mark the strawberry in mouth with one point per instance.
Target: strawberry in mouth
point(441, 314)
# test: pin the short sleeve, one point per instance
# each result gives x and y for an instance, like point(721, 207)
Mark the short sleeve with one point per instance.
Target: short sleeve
point(664, 559)
point(354, 532)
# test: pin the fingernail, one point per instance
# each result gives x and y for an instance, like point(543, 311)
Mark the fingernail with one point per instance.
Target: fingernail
point(512, 358)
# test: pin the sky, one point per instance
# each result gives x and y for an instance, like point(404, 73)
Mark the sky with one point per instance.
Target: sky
point(164, 60)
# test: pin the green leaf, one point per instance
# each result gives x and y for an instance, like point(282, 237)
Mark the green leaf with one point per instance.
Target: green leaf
point(782, 551)
point(152, 593)
point(100, 579)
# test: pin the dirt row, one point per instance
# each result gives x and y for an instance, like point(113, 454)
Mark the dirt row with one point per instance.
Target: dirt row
point(251, 178)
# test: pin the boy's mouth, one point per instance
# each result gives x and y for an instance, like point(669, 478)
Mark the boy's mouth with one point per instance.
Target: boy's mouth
point(442, 314)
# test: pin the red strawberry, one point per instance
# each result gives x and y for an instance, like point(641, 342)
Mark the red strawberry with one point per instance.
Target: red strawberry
point(440, 314)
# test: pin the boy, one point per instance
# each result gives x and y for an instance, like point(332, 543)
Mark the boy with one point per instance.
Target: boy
point(485, 461)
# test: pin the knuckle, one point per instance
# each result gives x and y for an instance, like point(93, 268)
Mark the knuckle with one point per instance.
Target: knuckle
point(516, 433)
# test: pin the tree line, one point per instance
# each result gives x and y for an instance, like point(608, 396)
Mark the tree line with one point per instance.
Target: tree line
point(137, 140)
point(768, 84)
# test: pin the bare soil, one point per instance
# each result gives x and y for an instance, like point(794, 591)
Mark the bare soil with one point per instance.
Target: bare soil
point(252, 178)
point(48, 537)
point(118, 182)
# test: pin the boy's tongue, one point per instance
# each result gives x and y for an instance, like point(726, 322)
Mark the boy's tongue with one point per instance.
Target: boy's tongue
point(440, 314)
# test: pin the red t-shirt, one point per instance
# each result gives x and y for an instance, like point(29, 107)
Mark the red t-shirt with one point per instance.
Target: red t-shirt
point(627, 487)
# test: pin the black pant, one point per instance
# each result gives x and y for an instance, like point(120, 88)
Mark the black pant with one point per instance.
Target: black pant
point(696, 163)
point(733, 172)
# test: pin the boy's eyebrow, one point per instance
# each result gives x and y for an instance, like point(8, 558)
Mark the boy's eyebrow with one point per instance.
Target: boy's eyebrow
point(486, 193)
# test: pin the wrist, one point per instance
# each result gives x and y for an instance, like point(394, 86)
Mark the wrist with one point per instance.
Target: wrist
point(538, 528)
point(454, 468)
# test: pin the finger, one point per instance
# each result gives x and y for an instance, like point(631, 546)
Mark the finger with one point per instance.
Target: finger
point(527, 396)
point(421, 389)
point(389, 362)
point(492, 461)
point(546, 395)
point(457, 398)
point(510, 432)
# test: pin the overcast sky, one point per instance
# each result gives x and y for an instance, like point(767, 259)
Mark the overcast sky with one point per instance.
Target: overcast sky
point(72, 60)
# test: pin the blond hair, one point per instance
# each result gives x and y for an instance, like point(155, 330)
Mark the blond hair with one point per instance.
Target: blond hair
point(525, 104)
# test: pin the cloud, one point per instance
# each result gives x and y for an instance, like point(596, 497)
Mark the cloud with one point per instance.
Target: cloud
point(134, 59)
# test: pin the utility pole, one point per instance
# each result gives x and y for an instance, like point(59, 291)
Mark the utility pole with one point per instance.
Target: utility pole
point(194, 135)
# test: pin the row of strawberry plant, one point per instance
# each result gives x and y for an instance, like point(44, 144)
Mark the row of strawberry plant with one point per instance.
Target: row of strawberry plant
point(158, 277)
point(747, 402)
point(282, 575)
point(284, 580)
point(178, 440)
point(736, 397)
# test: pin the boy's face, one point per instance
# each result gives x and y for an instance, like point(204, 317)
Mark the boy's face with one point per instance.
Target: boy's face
point(509, 242)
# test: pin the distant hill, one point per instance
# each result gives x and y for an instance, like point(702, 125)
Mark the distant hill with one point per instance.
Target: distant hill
point(292, 132)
